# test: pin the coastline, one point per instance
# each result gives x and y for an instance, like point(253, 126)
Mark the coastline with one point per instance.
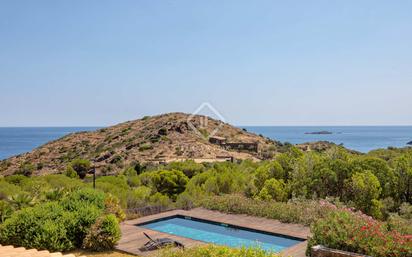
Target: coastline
point(19, 140)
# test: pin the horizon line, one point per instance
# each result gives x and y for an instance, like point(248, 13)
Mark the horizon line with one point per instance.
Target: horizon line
point(239, 126)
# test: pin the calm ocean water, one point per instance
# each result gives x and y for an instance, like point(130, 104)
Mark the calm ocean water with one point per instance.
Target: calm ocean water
point(15, 141)
point(360, 138)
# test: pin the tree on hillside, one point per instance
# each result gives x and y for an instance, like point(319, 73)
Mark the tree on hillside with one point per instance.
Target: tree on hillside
point(81, 167)
point(300, 177)
point(403, 175)
point(343, 172)
point(366, 190)
point(170, 182)
point(324, 181)
point(379, 168)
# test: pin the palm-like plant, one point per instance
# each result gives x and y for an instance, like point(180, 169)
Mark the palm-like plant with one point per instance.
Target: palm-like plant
point(21, 200)
point(56, 194)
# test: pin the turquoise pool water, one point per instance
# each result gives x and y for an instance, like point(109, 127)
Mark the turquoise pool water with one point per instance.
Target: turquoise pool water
point(221, 234)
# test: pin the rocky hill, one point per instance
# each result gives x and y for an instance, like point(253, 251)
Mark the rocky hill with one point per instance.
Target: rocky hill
point(156, 139)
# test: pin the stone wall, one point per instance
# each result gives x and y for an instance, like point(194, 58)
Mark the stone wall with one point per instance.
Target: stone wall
point(249, 147)
point(321, 251)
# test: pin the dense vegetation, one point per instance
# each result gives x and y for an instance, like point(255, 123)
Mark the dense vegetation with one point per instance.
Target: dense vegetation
point(212, 251)
point(353, 231)
point(57, 213)
point(289, 187)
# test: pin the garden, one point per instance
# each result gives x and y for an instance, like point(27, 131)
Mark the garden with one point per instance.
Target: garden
point(359, 203)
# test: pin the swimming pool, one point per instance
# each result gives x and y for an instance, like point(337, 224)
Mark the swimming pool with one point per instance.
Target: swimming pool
point(221, 234)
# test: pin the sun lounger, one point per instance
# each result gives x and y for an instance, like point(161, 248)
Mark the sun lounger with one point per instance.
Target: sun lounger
point(154, 244)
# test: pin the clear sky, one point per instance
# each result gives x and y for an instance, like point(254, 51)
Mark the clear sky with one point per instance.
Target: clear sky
point(257, 62)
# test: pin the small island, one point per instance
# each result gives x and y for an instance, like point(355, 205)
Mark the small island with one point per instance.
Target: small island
point(323, 132)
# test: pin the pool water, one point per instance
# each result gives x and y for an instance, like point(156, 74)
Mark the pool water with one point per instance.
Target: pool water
point(221, 234)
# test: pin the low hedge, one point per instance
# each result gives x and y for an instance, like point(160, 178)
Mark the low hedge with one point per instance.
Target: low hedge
point(299, 211)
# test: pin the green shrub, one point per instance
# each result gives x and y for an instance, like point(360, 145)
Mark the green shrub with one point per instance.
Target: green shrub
point(273, 189)
point(36, 186)
point(139, 168)
point(7, 190)
point(86, 205)
point(116, 186)
point(189, 167)
point(134, 181)
point(405, 211)
point(81, 167)
point(117, 160)
point(130, 172)
point(185, 201)
point(398, 223)
point(16, 179)
point(55, 194)
point(145, 146)
point(215, 251)
point(84, 196)
point(267, 171)
point(39, 166)
point(70, 172)
point(85, 215)
point(21, 200)
point(5, 210)
point(159, 199)
point(4, 165)
point(59, 181)
point(365, 192)
point(112, 206)
point(204, 132)
point(138, 197)
point(221, 179)
point(43, 227)
point(26, 169)
point(355, 232)
point(118, 181)
point(103, 234)
point(51, 226)
point(146, 179)
point(162, 131)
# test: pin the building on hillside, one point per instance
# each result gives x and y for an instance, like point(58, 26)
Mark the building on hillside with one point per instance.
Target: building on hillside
point(226, 158)
point(217, 140)
point(237, 146)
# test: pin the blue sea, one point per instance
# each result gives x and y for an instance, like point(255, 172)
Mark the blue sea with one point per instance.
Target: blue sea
point(359, 138)
point(14, 141)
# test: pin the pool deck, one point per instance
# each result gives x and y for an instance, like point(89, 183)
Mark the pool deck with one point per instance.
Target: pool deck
point(133, 238)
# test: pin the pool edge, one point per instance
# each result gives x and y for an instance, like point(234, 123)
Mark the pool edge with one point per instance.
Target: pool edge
point(300, 239)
